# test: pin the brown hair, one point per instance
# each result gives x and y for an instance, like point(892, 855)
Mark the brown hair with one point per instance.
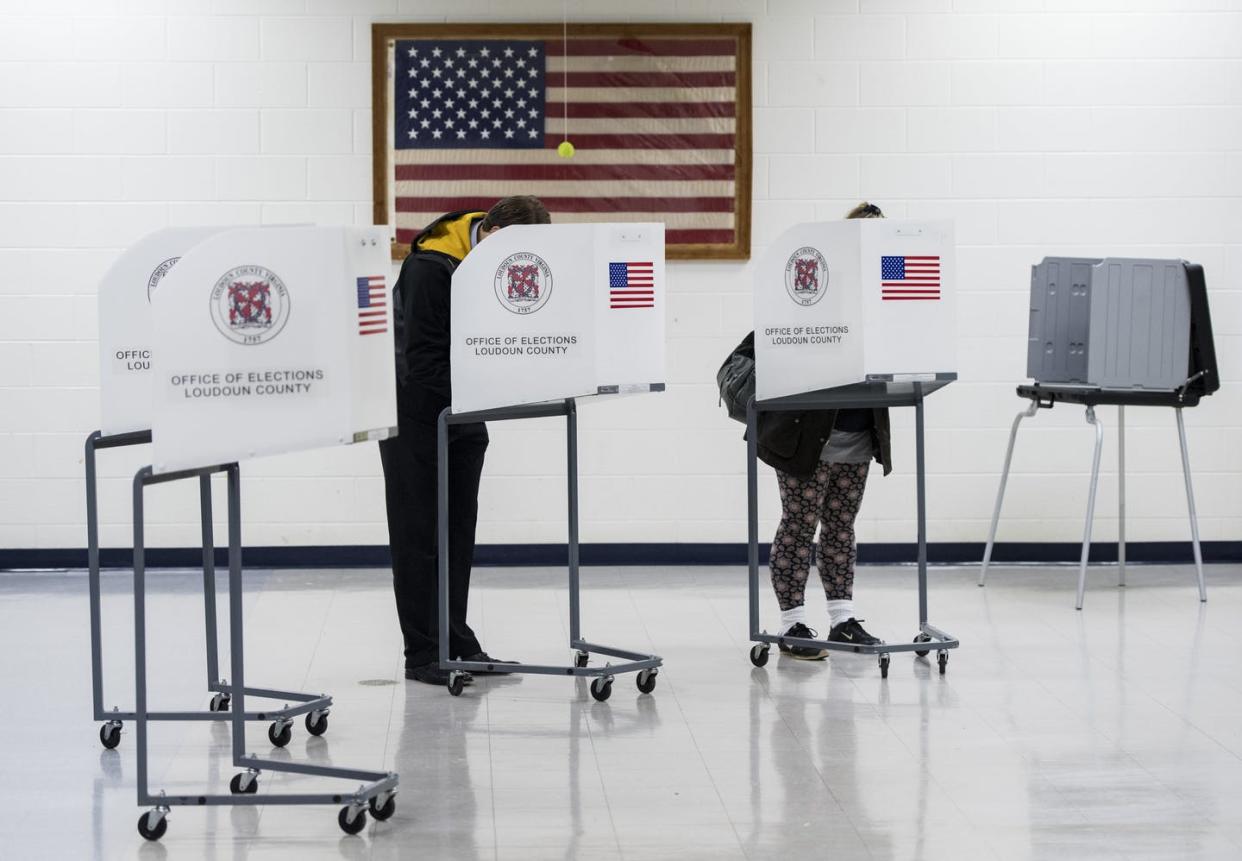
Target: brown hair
point(521, 209)
point(865, 210)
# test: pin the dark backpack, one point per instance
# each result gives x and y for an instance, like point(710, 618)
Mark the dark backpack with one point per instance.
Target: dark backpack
point(736, 378)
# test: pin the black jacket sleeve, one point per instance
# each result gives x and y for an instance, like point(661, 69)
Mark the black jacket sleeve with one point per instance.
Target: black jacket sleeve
point(423, 303)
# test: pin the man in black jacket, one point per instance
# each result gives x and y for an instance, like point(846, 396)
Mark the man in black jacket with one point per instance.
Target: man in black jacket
point(421, 303)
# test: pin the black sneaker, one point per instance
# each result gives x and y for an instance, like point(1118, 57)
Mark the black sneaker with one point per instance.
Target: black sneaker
point(485, 658)
point(850, 631)
point(802, 653)
point(432, 674)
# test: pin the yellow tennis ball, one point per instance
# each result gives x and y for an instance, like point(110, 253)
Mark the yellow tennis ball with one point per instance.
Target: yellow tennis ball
point(565, 149)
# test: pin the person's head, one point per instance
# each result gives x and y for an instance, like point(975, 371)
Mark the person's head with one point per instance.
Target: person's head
point(865, 210)
point(520, 209)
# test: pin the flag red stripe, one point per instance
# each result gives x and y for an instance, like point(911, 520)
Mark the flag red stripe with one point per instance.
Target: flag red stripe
point(628, 47)
point(708, 237)
point(632, 306)
point(439, 172)
point(687, 236)
point(373, 332)
point(908, 257)
point(627, 110)
point(574, 204)
point(911, 298)
point(643, 79)
point(643, 141)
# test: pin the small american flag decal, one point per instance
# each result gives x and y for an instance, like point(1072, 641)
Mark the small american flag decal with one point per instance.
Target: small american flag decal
point(631, 285)
point(909, 278)
point(372, 306)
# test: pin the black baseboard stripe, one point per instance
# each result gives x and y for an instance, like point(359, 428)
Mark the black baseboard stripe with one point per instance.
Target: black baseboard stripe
point(376, 556)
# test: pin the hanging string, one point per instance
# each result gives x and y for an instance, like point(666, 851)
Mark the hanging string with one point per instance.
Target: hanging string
point(565, 149)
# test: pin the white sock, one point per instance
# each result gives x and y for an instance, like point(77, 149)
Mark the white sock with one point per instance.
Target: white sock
point(792, 617)
point(840, 611)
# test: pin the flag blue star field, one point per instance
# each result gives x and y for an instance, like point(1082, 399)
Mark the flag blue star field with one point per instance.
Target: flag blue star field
point(654, 121)
point(468, 94)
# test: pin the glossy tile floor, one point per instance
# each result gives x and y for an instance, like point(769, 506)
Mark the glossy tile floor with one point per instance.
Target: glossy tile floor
point(1111, 733)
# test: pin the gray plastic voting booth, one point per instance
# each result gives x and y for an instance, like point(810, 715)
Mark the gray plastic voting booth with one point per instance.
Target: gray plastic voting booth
point(853, 314)
point(125, 347)
point(264, 341)
point(544, 316)
point(1121, 331)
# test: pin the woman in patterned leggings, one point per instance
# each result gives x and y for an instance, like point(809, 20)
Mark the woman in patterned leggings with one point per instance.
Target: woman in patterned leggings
point(822, 459)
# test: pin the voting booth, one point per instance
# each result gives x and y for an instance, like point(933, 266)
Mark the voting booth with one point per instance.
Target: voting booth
point(259, 341)
point(1116, 331)
point(853, 314)
point(126, 336)
point(842, 302)
point(542, 317)
point(125, 328)
point(551, 312)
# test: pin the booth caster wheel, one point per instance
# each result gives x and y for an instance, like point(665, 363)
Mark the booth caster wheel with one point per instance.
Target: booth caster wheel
point(383, 812)
point(317, 722)
point(942, 658)
point(352, 819)
point(280, 732)
point(646, 681)
point(456, 684)
point(153, 824)
point(884, 662)
point(601, 688)
point(245, 783)
point(220, 703)
point(922, 638)
point(581, 659)
point(759, 654)
point(110, 734)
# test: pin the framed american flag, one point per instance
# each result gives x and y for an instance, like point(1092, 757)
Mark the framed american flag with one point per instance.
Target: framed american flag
point(659, 116)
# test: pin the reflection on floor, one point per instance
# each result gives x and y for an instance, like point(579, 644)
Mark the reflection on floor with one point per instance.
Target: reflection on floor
point(1111, 733)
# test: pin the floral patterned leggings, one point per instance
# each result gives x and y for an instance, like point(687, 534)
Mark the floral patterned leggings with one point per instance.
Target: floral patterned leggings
point(832, 495)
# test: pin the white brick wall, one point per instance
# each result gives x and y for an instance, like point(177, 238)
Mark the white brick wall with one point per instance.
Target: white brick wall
point(1041, 126)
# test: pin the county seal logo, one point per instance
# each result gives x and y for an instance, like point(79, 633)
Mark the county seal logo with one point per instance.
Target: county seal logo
point(250, 305)
point(523, 282)
point(806, 275)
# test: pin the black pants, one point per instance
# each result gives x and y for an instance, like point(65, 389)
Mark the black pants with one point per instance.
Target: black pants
point(409, 461)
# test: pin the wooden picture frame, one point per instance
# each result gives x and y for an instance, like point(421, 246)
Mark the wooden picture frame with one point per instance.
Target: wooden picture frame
point(385, 35)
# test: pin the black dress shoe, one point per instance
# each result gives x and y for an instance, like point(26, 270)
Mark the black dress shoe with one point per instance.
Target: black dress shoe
point(432, 674)
point(485, 658)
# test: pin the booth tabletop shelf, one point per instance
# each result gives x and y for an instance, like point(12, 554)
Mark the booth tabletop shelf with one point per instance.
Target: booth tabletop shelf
point(1091, 396)
point(875, 393)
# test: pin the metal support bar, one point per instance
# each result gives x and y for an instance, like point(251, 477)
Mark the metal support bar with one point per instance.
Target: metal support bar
point(752, 511)
point(1000, 491)
point(1095, 482)
point(209, 579)
point(1121, 494)
point(1190, 505)
point(571, 472)
point(92, 576)
point(921, 505)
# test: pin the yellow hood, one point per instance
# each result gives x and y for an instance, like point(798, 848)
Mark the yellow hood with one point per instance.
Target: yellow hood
point(449, 235)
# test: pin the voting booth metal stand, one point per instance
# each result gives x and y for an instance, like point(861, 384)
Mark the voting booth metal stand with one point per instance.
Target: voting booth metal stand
point(646, 666)
point(1126, 332)
point(377, 790)
point(872, 394)
point(314, 706)
point(1045, 397)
